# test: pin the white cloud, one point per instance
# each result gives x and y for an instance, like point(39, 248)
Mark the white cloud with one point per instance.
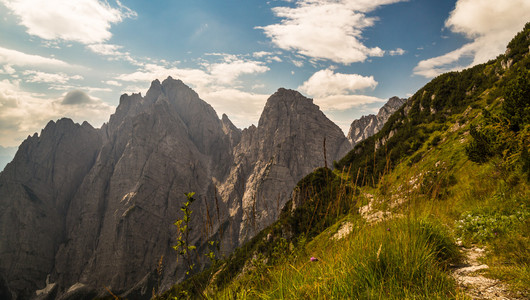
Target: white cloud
point(106, 49)
point(398, 51)
point(489, 24)
point(326, 29)
point(84, 21)
point(22, 113)
point(261, 54)
point(38, 76)
point(17, 58)
point(333, 91)
point(225, 72)
point(113, 51)
point(326, 82)
point(149, 72)
point(298, 63)
point(243, 109)
point(343, 102)
point(112, 82)
point(7, 69)
point(66, 87)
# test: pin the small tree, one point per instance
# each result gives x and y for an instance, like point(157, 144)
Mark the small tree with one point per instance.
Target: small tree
point(183, 246)
point(480, 148)
point(516, 105)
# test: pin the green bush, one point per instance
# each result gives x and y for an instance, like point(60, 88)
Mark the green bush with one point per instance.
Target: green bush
point(516, 105)
point(484, 226)
point(480, 148)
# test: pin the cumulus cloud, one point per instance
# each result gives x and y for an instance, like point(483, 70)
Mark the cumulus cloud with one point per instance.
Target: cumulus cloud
point(398, 51)
point(114, 52)
point(22, 113)
point(43, 77)
point(226, 72)
point(344, 102)
point(76, 97)
point(326, 83)
point(148, 72)
point(489, 24)
point(84, 21)
point(8, 69)
point(106, 49)
point(17, 58)
point(261, 54)
point(326, 29)
point(334, 91)
point(112, 82)
point(242, 108)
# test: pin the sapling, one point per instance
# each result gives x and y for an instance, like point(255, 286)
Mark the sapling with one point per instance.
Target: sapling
point(183, 246)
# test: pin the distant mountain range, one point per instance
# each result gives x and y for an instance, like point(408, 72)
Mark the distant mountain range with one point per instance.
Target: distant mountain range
point(83, 208)
point(369, 125)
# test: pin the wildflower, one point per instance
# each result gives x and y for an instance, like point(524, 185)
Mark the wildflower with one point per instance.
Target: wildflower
point(388, 229)
point(313, 259)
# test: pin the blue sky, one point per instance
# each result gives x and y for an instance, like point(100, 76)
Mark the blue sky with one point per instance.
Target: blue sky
point(63, 58)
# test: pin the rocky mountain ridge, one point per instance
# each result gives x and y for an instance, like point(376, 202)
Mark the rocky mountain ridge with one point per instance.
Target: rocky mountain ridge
point(84, 208)
point(369, 125)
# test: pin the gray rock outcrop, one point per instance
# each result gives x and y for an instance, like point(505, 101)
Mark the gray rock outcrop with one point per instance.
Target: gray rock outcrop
point(367, 126)
point(36, 190)
point(84, 209)
point(273, 157)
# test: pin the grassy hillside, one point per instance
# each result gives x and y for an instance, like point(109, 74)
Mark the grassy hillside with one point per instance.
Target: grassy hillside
point(450, 170)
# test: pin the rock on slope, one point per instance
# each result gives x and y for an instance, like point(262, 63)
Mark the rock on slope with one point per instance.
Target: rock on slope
point(369, 125)
point(94, 208)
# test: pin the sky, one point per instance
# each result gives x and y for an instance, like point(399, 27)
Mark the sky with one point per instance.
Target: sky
point(64, 58)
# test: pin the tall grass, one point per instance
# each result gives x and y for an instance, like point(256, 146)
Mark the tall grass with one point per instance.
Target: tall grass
point(398, 259)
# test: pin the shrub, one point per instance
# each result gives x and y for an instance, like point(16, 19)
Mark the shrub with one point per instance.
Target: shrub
point(516, 105)
point(480, 148)
point(484, 226)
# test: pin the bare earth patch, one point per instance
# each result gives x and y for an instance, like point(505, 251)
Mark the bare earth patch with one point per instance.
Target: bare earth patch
point(475, 285)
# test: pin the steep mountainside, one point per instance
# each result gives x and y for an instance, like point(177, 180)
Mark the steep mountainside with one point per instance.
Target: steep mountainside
point(36, 189)
point(84, 208)
point(369, 125)
point(407, 212)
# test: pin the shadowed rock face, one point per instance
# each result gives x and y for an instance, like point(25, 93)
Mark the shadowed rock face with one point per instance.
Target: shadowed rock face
point(36, 190)
point(95, 208)
point(367, 126)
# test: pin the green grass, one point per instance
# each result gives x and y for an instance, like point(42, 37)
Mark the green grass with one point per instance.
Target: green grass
point(399, 259)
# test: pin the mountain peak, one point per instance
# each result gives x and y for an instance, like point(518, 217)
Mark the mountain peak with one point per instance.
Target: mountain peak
point(367, 126)
point(288, 94)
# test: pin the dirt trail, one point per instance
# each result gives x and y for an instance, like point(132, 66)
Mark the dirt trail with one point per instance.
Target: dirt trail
point(475, 285)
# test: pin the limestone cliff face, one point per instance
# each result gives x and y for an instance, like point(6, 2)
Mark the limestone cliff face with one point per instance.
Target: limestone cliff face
point(367, 126)
point(91, 208)
point(271, 158)
point(36, 190)
point(121, 219)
